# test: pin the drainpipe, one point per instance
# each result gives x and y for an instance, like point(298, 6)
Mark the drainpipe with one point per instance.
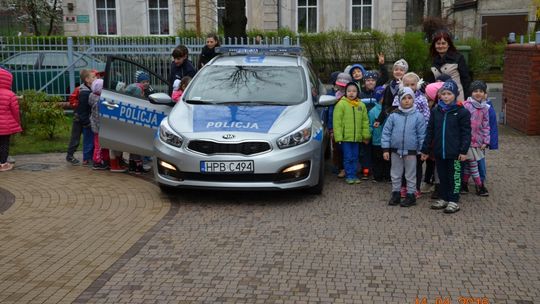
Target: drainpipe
point(184, 15)
point(278, 14)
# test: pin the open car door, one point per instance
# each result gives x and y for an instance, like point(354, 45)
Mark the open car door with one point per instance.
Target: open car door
point(132, 104)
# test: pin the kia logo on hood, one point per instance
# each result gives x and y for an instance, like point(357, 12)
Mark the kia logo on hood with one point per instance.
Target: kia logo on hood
point(228, 136)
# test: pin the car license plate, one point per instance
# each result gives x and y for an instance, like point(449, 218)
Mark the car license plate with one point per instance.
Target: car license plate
point(240, 166)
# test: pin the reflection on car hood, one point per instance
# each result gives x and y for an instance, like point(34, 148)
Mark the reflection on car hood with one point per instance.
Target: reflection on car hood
point(266, 119)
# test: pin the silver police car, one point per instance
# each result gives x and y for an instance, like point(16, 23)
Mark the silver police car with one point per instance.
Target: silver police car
point(252, 118)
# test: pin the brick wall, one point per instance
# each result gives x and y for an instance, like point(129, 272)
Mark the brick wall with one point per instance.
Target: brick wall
point(521, 87)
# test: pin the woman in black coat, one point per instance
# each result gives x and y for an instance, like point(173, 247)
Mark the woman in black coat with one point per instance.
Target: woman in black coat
point(447, 60)
point(209, 50)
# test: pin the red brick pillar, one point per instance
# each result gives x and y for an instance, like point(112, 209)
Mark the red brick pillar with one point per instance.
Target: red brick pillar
point(521, 87)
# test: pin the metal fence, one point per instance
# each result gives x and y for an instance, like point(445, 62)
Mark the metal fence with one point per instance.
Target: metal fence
point(52, 64)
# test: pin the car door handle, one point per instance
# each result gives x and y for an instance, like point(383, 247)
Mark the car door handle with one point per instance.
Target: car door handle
point(109, 105)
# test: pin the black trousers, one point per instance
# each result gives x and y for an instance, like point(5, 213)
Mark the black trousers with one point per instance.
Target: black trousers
point(430, 171)
point(450, 176)
point(381, 167)
point(4, 148)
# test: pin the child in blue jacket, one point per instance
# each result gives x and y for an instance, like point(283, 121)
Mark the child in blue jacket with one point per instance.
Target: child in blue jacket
point(402, 138)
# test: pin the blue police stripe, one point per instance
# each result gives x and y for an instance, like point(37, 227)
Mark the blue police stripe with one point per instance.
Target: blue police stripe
point(132, 114)
point(213, 118)
point(318, 134)
point(254, 59)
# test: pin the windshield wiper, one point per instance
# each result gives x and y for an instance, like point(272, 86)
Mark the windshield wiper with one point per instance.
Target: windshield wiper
point(254, 103)
point(199, 101)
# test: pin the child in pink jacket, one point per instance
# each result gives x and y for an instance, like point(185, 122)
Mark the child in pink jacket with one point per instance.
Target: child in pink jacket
point(480, 136)
point(10, 122)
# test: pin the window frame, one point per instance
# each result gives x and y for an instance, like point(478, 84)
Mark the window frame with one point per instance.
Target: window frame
point(218, 8)
point(106, 9)
point(307, 7)
point(361, 6)
point(159, 9)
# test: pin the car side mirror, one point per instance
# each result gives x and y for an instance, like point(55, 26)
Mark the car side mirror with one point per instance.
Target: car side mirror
point(161, 98)
point(326, 100)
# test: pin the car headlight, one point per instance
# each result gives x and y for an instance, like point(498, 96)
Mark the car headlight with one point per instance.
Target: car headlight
point(169, 137)
point(297, 137)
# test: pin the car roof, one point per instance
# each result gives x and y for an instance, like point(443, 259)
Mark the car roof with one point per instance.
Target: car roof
point(257, 60)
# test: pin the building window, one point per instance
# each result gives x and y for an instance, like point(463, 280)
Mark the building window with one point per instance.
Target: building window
point(220, 7)
point(361, 14)
point(307, 16)
point(158, 11)
point(106, 17)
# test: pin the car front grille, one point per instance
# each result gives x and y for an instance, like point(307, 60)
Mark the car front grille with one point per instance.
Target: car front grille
point(246, 148)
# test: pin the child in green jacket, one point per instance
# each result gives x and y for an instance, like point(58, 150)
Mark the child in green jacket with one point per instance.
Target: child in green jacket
point(351, 126)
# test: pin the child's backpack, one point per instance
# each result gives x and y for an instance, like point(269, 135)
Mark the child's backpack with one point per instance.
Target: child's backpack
point(74, 98)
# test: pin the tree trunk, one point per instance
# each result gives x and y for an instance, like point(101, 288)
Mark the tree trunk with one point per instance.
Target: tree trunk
point(32, 11)
point(52, 17)
point(434, 8)
point(235, 20)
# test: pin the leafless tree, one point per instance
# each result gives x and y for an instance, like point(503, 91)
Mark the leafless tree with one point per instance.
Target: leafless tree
point(38, 13)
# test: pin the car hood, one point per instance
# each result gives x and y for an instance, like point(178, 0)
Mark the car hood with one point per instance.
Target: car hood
point(245, 119)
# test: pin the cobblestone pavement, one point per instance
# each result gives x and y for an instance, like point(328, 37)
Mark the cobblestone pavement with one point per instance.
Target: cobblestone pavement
point(61, 242)
point(66, 226)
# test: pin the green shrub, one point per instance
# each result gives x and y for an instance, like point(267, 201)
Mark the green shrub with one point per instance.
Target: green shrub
point(485, 55)
point(41, 114)
point(416, 52)
point(334, 50)
point(187, 33)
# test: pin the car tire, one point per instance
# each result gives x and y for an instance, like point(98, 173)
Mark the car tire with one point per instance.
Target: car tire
point(318, 188)
point(166, 189)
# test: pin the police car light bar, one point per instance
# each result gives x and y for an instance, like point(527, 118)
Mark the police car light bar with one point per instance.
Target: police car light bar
point(259, 50)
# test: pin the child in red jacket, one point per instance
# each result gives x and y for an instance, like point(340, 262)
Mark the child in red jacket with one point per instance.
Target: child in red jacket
point(10, 122)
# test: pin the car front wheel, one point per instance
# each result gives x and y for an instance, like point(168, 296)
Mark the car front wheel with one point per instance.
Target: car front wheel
point(166, 189)
point(318, 188)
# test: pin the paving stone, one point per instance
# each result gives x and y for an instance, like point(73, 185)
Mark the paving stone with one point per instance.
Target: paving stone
point(345, 246)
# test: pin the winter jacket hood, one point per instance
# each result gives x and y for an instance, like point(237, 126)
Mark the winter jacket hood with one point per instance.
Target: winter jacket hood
point(9, 106)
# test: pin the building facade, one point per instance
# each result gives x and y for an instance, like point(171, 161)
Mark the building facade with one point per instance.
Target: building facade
point(489, 19)
point(167, 17)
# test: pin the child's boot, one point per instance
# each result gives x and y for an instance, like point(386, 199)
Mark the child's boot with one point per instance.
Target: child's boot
point(139, 167)
point(464, 188)
point(365, 174)
point(435, 193)
point(115, 166)
point(482, 190)
point(410, 200)
point(395, 199)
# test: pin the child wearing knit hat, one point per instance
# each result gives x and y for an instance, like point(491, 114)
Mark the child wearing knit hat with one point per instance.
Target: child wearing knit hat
point(341, 81)
point(351, 126)
point(480, 136)
point(401, 141)
point(413, 81)
point(399, 69)
point(431, 177)
point(449, 136)
point(367, 95)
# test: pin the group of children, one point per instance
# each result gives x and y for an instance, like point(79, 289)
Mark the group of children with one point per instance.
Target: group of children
point(387, 131)
point(85, 102)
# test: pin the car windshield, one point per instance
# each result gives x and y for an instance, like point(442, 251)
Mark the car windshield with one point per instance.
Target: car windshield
point(248, 84)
